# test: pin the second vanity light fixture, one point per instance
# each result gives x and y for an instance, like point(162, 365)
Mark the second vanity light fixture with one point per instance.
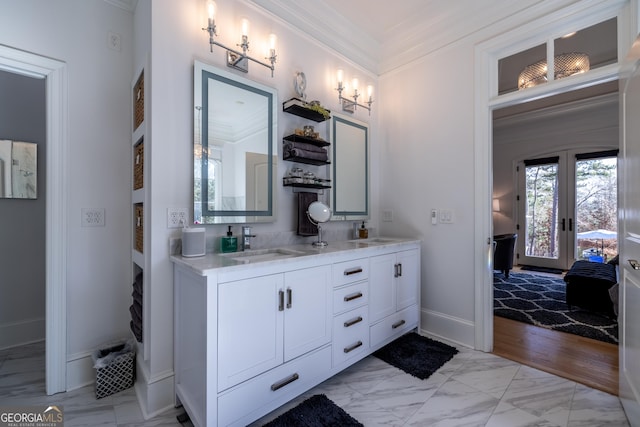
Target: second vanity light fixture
point(349, 105)
point(236, 59)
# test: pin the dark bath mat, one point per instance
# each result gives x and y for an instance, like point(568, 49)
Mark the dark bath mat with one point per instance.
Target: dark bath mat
point(316, 411)
point(416, 355)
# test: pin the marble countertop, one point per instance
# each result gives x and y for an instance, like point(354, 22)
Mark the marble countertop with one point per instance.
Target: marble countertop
point(283, 254)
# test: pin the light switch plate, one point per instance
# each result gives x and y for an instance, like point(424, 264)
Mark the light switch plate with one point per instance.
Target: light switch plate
point(387, 215)
point(446, 216)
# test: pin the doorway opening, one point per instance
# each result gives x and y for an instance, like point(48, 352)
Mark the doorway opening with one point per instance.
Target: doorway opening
point(55, 74)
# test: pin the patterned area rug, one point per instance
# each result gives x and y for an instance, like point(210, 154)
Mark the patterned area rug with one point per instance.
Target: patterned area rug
point(540, 301)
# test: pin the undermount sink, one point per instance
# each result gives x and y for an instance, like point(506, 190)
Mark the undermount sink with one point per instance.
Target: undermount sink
point(259, 255)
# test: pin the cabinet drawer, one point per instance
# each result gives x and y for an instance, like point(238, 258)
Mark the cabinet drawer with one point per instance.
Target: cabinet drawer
point(350, 297)
point(350, 271)
point(350, 335)
point(394, 325)
point(250, 400)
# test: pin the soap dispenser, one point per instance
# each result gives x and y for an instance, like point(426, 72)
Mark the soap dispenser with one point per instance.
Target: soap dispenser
point(363, 233)
point(229, 243)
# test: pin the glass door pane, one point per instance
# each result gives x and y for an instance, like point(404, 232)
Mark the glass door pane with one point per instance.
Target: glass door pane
point(596, 209)
point(541, 217)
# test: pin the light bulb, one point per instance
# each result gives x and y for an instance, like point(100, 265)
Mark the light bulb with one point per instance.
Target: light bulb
point(340, 75)
point(211, 9)
point(245, 27)
point(272, 41)
point(354, 83)
point(369, 91)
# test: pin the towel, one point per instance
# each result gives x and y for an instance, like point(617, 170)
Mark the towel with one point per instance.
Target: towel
point(305, 154)
point(305, 227)
point(290, 145)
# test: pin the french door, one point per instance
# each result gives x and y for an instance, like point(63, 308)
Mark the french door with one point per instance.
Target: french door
point(567, 208)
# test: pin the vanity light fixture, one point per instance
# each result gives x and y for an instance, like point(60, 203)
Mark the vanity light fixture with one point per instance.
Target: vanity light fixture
point(349, 105)
point(236, 59)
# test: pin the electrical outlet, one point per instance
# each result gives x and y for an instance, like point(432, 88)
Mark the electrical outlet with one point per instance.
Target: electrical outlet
point(92, 217)
point(177, 217)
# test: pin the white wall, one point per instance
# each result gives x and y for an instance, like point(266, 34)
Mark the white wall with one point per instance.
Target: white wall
point(427, 144)
point(98, 159)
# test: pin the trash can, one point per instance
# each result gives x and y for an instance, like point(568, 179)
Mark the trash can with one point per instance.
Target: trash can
point(115, 368)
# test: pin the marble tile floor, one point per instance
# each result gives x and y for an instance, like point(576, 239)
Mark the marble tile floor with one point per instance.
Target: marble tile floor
point(473, 389)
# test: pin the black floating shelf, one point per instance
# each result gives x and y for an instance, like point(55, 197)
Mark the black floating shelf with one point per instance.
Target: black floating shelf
point(315, 186)
point(299, 138)
point(298, 107)
point(307, 161)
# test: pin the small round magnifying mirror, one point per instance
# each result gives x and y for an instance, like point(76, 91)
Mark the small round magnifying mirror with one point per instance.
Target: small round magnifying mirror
point(318, 213)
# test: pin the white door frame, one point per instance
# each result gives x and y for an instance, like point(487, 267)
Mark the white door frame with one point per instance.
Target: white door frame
point(487, 54)
point(55, 73)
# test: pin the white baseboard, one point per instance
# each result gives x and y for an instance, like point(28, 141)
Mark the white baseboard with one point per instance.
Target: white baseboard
point(80, 371)
point(453, 329)
point(23, 332)
point(155, 395)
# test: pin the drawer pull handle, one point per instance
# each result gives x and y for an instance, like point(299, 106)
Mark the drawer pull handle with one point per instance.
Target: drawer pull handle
point(289, 297)
point(398, 324)
point(353, 347)
point(284, 382)
point(353, 296)
point(353, 271)
point(280, 300)
point(352, 321)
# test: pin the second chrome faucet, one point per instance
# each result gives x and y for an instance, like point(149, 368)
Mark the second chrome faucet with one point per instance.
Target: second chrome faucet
point(246, 237)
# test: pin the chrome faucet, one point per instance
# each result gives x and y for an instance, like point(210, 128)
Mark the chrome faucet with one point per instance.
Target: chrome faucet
point(246, 237)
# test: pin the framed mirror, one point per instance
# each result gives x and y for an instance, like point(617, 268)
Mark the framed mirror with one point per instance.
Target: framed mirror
point(235, 152)
point(350, 141)
point(18, 170)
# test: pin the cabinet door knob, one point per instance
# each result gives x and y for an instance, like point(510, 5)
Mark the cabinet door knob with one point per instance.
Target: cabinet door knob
point(398, 324)
point(284, 382)
point(352, 347)
point(351, 297)
point(353, 271)
point(353, 321)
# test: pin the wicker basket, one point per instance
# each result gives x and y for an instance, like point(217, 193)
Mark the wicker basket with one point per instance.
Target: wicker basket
point(138, 166)
point(118, 375)
point(138, 102)
point(139, 226)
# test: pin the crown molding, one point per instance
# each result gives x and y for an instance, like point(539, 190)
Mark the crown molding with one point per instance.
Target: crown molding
point(128, 5)
point(326, 25)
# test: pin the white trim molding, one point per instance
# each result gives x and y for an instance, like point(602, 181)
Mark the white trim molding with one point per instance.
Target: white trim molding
point(572, 17)
point(55, 72)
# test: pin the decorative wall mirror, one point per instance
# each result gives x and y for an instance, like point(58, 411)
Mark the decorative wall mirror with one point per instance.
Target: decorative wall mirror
point(235, 152)
point(18, 170)
point(350, 140)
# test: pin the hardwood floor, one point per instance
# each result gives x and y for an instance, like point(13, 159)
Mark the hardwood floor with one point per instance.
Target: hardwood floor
point(583, 360)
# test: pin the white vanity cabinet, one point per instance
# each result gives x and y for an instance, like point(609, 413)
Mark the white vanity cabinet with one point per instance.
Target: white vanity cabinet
point(249, 338)
point(266, 321)
point(393, 294)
